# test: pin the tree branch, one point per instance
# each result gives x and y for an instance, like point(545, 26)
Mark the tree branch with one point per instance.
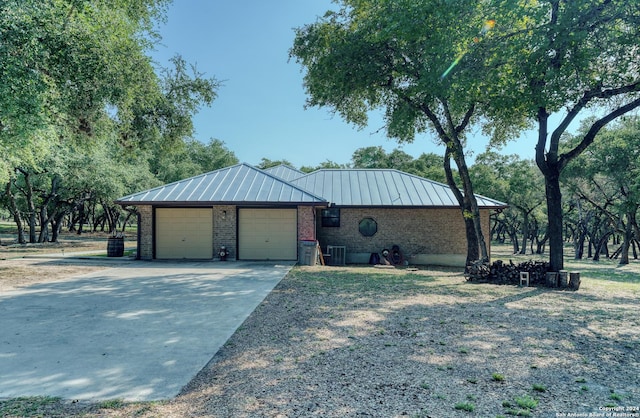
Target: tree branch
point(467, 118)
point(593, 131)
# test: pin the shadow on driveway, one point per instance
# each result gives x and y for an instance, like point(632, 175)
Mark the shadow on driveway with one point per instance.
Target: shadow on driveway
point(138, 332)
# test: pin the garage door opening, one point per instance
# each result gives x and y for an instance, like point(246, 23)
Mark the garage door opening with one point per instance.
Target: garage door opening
point(183, 233)
point(267, 234)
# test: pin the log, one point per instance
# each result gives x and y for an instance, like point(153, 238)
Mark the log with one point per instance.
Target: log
point(552, 279)
point(574, 280)
point(563, 279)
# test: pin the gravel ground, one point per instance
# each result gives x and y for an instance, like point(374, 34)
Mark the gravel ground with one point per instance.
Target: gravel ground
point(337, 342)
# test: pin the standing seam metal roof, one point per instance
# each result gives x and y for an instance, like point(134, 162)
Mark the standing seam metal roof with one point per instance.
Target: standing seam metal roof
point(284, 172)
point(382, 187)
point(238, 184)
point(245, 184)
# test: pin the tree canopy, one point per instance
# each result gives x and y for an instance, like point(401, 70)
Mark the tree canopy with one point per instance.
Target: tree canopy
point(86, 116)
point(503, 66)
point(394, 55)
point(63, 62)
point(567, 57)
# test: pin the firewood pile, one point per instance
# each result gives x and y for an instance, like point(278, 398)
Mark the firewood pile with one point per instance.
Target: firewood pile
point(500, 272)
point(478, 270)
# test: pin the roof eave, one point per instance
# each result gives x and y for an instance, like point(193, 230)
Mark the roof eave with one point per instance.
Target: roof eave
point(217, 203)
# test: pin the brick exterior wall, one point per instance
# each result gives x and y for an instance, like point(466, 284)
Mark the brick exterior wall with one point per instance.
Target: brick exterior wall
point(225, 219)
point(306, 223)
point(425, 236)
point(146, 232)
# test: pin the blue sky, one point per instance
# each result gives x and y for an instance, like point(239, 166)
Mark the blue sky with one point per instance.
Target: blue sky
point(260, 111)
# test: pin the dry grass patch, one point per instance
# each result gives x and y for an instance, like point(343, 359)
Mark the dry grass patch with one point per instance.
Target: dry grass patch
point(332, 341)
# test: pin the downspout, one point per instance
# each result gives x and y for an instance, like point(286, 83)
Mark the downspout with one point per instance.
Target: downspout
point(139, 233)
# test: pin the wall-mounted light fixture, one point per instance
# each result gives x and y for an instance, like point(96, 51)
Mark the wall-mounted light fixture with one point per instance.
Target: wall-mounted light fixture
point(224, 214)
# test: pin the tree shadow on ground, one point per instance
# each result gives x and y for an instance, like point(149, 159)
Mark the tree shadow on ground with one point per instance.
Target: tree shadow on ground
point(136, 332)
point(337, 343)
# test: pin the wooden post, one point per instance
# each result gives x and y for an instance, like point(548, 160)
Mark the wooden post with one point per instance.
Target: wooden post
point(574, 280)
point(552, 279)
point(319, 250)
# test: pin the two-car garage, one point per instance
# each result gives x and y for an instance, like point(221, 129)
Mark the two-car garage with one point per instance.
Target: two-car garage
point(253, 213)
point(262, 233)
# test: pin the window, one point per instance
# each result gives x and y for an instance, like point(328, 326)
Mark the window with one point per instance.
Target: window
point(368, 227)
point(330, 218)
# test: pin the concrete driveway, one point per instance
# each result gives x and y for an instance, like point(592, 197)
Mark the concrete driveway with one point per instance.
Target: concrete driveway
point(137, 332)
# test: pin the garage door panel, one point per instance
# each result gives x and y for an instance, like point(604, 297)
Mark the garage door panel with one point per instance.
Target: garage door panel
point(184, 233)
point(267, 234)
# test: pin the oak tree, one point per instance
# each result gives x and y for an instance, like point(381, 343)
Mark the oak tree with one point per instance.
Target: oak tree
point(567, 58)
point(397, 55)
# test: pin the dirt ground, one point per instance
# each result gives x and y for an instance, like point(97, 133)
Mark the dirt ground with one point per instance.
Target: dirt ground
point(23, 265)
point(361, 341)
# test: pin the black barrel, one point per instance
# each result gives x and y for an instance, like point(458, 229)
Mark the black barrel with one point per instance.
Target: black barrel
point(115, 247)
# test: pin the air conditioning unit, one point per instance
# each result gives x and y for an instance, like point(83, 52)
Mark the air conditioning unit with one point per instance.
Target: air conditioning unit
point(338, 255)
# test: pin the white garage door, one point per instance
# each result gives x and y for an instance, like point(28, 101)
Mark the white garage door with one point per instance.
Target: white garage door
point(267, 234)
point(184, 233)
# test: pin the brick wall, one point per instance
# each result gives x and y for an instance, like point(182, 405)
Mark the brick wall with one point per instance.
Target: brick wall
point(425, 236)
point(306, 223)
point(224, 230)
point(146, 232)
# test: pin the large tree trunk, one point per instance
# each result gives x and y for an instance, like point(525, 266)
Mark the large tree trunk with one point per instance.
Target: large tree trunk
point(47, 202)
point(548, 164)
point(449, 134)
point(15, 212)
point(601, 246)
point(628, 236)
point(31, 206)
point(471, 205)
point(514, 240)
point(56, 225)
point(554, 213)
point(82, 217)
point(580, 238)
point(525, 231)
point(473, 248)
point(44, 225)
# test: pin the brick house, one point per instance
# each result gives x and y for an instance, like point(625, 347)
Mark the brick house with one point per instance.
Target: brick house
point(266, 215)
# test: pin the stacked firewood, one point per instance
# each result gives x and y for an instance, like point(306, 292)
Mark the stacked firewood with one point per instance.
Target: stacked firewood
point(500, 272)
point(478, 270)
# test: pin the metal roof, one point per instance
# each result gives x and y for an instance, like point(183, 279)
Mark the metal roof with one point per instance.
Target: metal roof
point(382, 187)
point(238, 184)
point(285, 172)
point(244, 184)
